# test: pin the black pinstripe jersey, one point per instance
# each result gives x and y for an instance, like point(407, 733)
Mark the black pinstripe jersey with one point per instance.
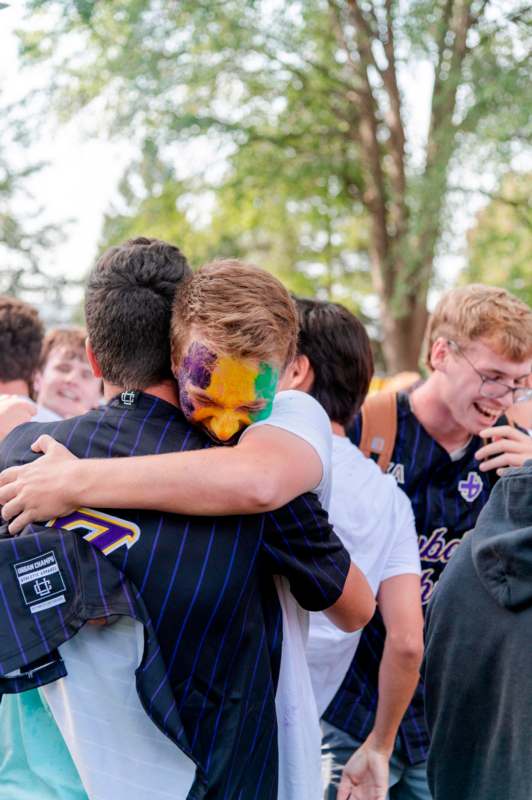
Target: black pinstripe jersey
point(206, 584)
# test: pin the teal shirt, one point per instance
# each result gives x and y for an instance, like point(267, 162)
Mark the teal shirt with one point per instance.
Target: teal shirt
point(35, 763)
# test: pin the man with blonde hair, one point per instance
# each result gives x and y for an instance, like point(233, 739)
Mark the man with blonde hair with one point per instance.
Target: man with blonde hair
point(479, 354)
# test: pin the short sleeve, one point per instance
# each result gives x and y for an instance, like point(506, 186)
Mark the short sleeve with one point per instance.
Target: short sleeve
point(302, 415)
point(403, 558)
point(300, 544)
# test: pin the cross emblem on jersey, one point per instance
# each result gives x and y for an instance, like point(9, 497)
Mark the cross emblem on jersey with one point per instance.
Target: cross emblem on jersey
point(471, 488)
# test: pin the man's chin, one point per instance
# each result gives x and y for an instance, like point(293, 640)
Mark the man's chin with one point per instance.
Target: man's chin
point(222, 442)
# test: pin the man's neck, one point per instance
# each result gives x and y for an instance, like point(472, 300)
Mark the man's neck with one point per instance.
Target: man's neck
point(15, 387)
point(338, 429)
point(428, 407)
point(166, 390)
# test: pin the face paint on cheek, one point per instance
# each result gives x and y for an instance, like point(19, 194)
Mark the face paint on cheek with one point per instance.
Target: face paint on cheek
point(265, 388)
point(195, 371)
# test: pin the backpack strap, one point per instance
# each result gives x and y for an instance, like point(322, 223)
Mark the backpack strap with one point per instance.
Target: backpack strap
point(379, 427)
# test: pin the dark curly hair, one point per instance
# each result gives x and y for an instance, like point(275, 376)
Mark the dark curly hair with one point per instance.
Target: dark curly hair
point(21, 337)
point(128, 304)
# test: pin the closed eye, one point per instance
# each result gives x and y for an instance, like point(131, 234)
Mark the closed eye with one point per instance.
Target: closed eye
point(252, 408)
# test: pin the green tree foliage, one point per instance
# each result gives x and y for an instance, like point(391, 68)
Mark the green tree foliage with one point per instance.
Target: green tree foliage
point(24, 238)
point(500, 242)
point(306, 102)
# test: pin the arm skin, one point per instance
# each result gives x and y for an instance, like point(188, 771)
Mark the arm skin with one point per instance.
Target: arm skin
point(356, 605)
point(256, 475)
point(510, 448)
point(14, 411)
point(365, 776)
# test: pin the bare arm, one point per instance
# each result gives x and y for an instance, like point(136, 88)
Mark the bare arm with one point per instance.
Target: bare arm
point(356, 605)
point(265, 470)
point(400, 606)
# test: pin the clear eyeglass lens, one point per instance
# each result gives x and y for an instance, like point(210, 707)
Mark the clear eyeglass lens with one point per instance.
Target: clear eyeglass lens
point(494, 389)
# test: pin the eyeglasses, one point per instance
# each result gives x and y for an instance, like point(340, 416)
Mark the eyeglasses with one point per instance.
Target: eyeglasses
point(494, 389)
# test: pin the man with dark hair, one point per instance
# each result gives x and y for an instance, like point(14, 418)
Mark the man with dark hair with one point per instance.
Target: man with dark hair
point(21, 337)
point(206, 583)
point(374, 520)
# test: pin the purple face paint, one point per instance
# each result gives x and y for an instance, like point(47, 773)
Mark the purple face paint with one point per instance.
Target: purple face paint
point(196, 368)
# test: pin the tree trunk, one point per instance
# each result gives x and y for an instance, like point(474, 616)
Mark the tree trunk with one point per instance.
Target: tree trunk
point(403, 336)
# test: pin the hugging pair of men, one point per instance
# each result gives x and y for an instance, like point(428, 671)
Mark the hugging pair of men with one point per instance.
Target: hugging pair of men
point(214, 638)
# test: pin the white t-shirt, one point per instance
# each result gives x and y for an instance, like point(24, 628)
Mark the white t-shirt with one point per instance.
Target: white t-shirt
point(374, 519)
point(118, 751)
point(298, 727)
point(42, 414)
point(302, 415)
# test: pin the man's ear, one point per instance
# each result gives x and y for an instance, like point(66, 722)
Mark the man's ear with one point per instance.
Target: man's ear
point(299, 375)
point(36, 382)
point(93, 361)
point(439, 354)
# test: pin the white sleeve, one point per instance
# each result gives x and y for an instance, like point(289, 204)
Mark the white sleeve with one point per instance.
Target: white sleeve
point(302, 415)
point(403, 558)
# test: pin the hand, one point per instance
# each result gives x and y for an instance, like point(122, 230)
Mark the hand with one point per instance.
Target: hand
point(366, 774)
point(14, 411)
point(41, 490)
point(510, 448)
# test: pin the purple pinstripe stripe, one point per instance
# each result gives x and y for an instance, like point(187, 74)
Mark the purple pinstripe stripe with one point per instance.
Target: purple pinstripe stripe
point(172, 578)
point(152, 553)
point(189, 611)
point(147, 415)
point(116, 434)
point(267, 694)
point(173, 705)
point(128, 596)
point(311, 548)
point(208, 626)
point(14, 547)
point(412, 456)
point(7, 455)
point(301, 565)
point(100, 587)
point(62, 620)
point(67, 559)
point(224, 637)
point(44, 640)
point(229, 673)
point(162, 436)
point(95, 431)
point(266, 755)
point(411, 715)
point(243, 715)
point(13, 626)
point(72, 431)
point(320, 526)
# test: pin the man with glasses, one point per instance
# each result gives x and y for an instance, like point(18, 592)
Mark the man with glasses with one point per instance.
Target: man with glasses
point(448, 449)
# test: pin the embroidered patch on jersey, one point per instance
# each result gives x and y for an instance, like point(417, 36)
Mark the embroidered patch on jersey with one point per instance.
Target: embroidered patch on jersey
point(40, 582)
point(471, 488)
point(104, 531)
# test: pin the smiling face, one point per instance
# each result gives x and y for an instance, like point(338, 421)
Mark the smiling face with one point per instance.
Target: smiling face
point(66, 383)
point(224, 394)
point(461, 388)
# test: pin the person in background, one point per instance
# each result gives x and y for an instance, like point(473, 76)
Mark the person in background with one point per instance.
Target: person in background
point(374, 520)
point(64, 383)
point(479, 354)
point(21, 337)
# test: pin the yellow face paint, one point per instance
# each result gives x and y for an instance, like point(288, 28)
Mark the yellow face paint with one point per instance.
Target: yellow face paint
point(224, 394)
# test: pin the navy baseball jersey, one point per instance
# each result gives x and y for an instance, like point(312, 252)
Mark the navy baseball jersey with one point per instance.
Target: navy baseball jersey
point(206, 584)
point(447, 496)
